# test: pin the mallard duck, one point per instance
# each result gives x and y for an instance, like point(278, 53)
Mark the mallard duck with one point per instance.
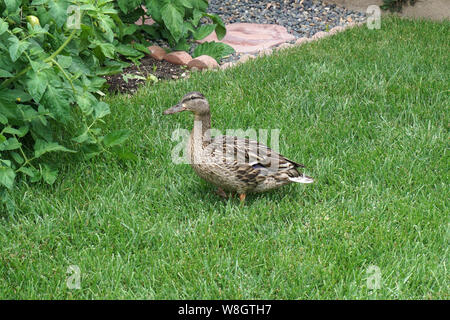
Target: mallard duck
point(233, 164)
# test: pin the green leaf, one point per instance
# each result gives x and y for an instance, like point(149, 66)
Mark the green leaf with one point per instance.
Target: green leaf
point(29, 171)
point(7, 176)
point(3, 120)
point(64, 61)
point(101, 109)
point(39, 65)
point(41, 147)
point(217, 50)
point(17, 47)
point(196, 16)
point(12, 5)
point(154, 8)
point(58, 11)
point(142, 48)
point(5, 74)
point(10, 144)
point(22, 131)
point(182, 45)
point(85, 101)
point(173, 20)
point(185, 3)
point(57, 101)
point(116, 137)
point(128, 5)
point(128, 51)
point(3, 26)
point(90, 150)
point(204, 31)
point(220, 26)
point(107, 49)
point(49, 174)
point(17, 157)
point(36, 84)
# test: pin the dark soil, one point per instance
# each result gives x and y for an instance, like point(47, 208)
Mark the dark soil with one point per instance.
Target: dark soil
point(163, 70)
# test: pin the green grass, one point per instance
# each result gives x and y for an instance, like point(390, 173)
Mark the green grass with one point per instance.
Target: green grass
point(366, 111)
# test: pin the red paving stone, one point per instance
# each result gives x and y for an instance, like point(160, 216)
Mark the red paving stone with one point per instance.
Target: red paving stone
point(252, 37)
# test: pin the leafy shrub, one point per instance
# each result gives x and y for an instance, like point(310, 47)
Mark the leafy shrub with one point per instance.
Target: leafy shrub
point(396, 5)
point(176, 21)
point(50, 83)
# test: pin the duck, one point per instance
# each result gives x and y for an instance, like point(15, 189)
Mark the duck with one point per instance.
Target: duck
point(235, 165)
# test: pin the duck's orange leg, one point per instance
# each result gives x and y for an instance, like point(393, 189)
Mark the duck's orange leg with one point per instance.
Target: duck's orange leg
point(242, 198)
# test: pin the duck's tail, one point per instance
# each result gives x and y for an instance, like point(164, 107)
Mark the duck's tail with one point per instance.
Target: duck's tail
point(302, 179)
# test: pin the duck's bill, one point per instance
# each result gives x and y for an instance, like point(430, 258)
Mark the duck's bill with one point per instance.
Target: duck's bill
point(176, 108)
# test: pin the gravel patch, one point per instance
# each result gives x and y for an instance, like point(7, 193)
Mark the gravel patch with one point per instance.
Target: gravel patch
point(302, 18)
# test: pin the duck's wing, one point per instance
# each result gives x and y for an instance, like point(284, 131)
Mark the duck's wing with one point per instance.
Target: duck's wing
point(250, 154)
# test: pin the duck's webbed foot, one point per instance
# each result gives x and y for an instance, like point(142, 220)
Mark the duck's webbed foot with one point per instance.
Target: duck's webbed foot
point(221, 193)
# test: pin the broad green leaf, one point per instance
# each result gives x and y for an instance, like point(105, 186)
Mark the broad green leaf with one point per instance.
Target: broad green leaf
point(128, 51)
point(196, 16)
point(154, 8)
point(57, 101)
point(36, 84)
point(41, 147)
point(7, 176)
point(101, 109)
point(105, 25)
point(3, 119)
point(173, 20)
point(182, 45)
point(64, 61)
point(3, 26)
point(204, 31)
point(29, 171)
point(58, 11)
point(5, 74)
point(107, 49)
point(128, 5)
point(141, 47)
point(39, 2)
point(217, 50)
point(90, 150)
point(116, 137)
point(82, 138)
point(10, 144)
point(85, 101)
point(17, 47)
point(201, 5)
point(185, 3)
point(12, 5)
point(220, 26)
point(49, 174)
point(130, 29)
point(22, 131)
point(38, 66)
point(17, 157)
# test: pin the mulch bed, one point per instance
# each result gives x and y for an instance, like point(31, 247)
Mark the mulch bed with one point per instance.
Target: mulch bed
point(163, 70)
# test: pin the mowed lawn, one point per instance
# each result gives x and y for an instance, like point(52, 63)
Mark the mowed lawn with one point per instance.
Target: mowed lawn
point(366, 111)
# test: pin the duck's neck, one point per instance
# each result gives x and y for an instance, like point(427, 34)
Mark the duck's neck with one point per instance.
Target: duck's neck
point(201, 132)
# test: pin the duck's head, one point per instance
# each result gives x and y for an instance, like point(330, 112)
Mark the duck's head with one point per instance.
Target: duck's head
point(194, 102)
